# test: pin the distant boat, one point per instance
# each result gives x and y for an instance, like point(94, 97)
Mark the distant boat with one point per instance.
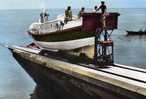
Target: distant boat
point(50, 31)
point(140, 32)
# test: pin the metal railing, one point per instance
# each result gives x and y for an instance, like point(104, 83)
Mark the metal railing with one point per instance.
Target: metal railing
point(49, 26)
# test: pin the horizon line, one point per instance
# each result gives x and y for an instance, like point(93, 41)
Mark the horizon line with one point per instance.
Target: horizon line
point(64, 8)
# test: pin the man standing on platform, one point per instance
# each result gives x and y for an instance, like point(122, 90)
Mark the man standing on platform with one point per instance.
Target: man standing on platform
point(102, 7)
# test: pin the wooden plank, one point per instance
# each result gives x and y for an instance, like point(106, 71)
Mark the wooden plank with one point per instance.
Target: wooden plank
point(139, 76)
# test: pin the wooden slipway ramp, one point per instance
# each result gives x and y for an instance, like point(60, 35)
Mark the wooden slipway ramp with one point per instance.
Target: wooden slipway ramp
point(67, 80)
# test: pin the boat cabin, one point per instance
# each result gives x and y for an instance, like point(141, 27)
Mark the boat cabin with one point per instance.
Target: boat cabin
point(92, 21)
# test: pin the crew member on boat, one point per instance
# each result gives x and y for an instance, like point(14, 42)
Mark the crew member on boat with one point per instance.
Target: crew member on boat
point(81, 12)
point(68, 14)
point(44, 16)
point(102, 7)
point(95, 9)
point(59, 25)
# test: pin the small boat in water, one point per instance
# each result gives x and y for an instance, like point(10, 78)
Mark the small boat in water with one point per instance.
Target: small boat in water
point(53, 31)
point(136, 32)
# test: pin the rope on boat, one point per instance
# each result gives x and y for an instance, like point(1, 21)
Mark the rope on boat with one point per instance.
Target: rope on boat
point(4, 45)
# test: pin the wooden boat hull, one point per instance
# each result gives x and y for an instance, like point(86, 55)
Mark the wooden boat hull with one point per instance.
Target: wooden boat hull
point(54, 84)
point(136, 33)
point(57, 85)
point(70, 83)
point(62, 35)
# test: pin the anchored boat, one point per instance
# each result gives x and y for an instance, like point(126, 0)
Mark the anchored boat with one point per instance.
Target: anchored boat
point(136, 32)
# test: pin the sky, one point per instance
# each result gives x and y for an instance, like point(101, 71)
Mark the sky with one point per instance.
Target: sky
point(37, 4)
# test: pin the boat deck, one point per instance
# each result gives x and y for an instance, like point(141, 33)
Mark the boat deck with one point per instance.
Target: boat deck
point(51, 27)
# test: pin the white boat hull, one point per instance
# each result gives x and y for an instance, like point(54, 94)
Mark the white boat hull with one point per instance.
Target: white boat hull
point(67, 45)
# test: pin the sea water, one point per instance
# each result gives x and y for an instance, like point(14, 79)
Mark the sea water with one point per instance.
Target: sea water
point(15, 83)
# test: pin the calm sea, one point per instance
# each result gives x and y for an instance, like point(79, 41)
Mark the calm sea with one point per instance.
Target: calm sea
point(15, 82)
